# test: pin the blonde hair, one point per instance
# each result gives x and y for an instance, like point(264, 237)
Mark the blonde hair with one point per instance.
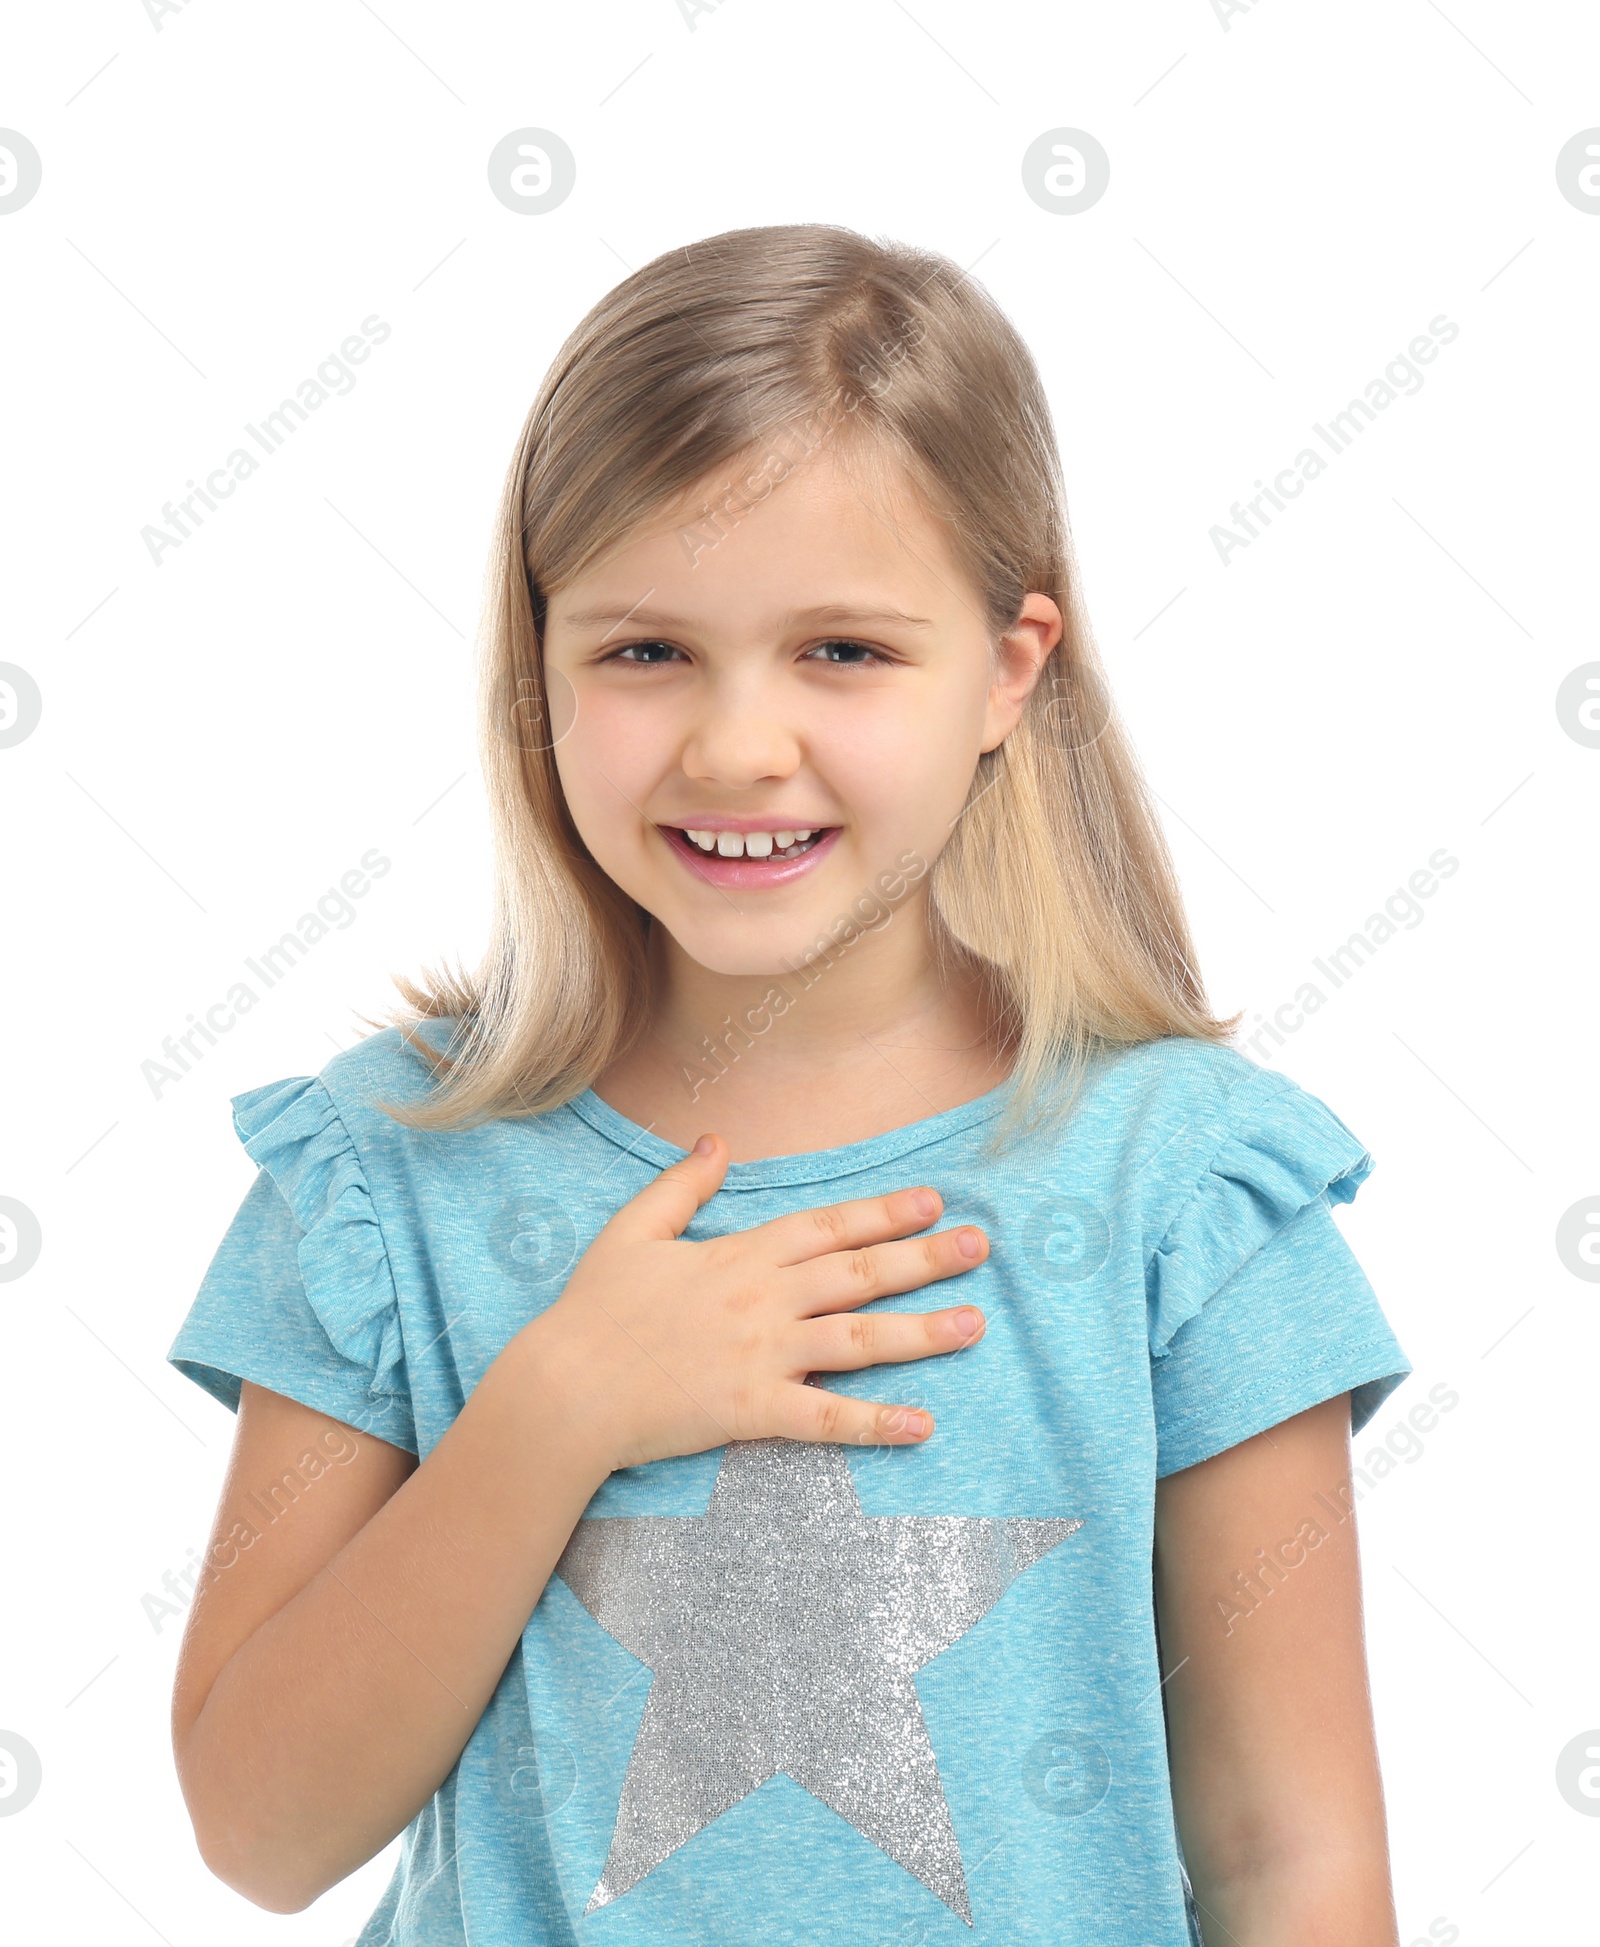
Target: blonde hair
point(1055, 885)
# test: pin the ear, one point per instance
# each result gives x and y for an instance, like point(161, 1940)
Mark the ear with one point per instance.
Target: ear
point(1019, 657)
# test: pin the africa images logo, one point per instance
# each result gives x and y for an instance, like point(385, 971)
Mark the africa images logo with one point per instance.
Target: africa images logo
point(1400, 378)
point(333, 378)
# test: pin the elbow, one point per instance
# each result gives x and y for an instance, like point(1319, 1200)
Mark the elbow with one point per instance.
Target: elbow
point(1317, 1892)
point(259, 1856)
point(251, 1854)
point(266, 1877)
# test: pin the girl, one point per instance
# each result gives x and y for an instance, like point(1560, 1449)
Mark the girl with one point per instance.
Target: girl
point(618, 1507)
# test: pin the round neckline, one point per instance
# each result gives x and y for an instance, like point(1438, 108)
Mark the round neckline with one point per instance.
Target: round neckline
point(806, 1166)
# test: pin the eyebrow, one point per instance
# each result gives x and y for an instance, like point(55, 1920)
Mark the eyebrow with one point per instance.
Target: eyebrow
point(650, 618)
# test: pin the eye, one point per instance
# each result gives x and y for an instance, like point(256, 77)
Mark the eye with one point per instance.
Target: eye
point(861, 655)
point(646, 657)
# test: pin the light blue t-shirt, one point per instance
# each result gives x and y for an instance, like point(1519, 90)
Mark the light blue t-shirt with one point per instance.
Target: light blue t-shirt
point(889, 1697)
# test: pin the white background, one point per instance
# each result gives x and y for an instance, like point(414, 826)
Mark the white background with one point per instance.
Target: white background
point(1295, 193)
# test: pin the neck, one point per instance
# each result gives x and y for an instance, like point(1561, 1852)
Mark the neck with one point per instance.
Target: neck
point(854, 1043)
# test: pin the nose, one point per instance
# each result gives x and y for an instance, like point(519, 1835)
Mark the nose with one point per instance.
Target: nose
point(739, 737)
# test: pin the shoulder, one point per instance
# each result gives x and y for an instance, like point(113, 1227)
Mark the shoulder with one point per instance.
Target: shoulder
point(1182, 1062)
point(318, 1134)
point(1213, 1156)
point(382, 1069)
point(1177, 1096)
point(1209, 1110)
point(1187, 1138)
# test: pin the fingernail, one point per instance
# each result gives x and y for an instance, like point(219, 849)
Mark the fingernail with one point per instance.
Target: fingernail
point(968, 1243)
point(926, 1202)
point(966, 1322)
point(902, 1419)
point(705, 1146)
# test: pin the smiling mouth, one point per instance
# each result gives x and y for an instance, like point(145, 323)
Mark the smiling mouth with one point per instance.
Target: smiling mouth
point(753, 845)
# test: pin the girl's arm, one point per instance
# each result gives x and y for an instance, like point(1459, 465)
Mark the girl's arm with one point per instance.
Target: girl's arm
point(355, 1623)
point(1274, 1764)
point(334, 1668)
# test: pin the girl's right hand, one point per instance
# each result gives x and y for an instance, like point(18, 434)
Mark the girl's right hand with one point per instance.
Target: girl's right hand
point(673, 1347)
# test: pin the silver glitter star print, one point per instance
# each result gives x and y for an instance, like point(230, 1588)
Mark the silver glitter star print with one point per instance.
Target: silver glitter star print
point(784, 1627)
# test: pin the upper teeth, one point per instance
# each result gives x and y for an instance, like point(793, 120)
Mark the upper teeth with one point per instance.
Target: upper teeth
point(754, 845)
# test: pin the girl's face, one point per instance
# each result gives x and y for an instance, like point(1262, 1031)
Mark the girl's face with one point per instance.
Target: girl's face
point(760, 723)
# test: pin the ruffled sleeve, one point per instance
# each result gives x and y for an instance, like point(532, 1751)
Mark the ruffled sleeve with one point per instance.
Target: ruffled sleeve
point(1257, 1307)
point(295, 1133)
point(301, 1296)
point(1288, 1150)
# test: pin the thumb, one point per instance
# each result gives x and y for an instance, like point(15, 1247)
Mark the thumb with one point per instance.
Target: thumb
point(664, 1208)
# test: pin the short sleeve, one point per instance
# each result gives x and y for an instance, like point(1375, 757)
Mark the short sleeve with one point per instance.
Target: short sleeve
point(300, 1296)
point(1258, 1308)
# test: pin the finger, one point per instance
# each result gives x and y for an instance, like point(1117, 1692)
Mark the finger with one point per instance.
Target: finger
point(806, 1234)
point(852, 1340)
point(850, 1278)
point(813, 1413)
point(664, 1207)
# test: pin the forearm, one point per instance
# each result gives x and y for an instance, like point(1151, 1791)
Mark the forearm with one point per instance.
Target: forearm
point(1276, 1783)
point(333, 1724)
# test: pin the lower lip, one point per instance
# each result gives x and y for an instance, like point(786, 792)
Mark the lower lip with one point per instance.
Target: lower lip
point(747, 873)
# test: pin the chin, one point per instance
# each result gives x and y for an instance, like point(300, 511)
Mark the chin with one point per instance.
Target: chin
point(746, 953)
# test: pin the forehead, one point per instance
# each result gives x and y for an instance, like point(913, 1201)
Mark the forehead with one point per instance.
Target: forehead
point(841, 530)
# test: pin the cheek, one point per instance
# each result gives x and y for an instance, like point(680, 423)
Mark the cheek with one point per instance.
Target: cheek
point(905, 772)
point(608, 761)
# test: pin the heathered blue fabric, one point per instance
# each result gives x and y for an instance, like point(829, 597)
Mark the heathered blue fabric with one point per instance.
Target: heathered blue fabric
point(1165, 1280)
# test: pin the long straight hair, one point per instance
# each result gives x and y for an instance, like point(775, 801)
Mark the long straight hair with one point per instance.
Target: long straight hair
point(1055, 886)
